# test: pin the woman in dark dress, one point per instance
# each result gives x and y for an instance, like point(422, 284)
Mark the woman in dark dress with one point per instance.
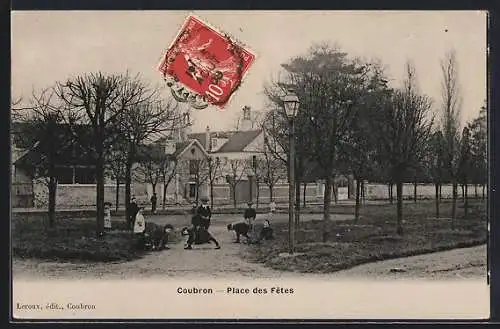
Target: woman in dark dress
point(199, 234)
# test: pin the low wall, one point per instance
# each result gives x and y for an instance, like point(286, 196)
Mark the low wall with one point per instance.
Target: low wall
point(76, 195)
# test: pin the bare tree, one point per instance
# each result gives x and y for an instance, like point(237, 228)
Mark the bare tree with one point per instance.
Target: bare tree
point(451, 108)
point(43, 122)
point(97, 100)
point(115, 163)
point(465, 166)
point(146, 119)
point(435, 165)
point(328, 84)
point(237, 169)
point(357, 148)
point(404, 128)
point(479, 150)
point(214, 171)
point(271, 168)
point(168, 172)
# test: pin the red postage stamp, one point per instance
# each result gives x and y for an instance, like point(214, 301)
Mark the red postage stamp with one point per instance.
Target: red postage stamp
point(205, 65)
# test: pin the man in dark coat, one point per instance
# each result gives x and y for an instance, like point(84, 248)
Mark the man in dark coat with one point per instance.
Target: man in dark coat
point(132, 212)
point(250, 214)
point(154, 199)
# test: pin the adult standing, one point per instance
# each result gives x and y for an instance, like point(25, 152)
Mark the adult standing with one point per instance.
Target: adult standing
point(201, 222)
point(249, 216)
point(154, 199)
point(205, 213)
point(132, 211)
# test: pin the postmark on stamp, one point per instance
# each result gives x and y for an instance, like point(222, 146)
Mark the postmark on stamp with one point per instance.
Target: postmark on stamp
point(204, 66)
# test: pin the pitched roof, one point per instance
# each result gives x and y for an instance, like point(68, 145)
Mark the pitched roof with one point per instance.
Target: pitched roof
point(181, 146)
point(200, 137)
point(239, 140)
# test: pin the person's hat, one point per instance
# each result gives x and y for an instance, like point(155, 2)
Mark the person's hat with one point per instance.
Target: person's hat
point(204, 199)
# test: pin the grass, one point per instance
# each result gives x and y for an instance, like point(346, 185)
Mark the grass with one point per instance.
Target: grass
point(373, 238)
point(73, 240)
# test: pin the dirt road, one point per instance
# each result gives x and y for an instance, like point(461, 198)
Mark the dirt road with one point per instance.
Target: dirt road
point(207, 262)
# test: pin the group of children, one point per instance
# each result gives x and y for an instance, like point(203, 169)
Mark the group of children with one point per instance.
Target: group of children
point(248, 229)
point(198, 233)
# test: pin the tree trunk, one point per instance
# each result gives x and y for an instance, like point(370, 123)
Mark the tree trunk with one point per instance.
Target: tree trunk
point(440, 192)
point(436, 185)
point(462, 186)
point(326, 206)
point(100, 189)
point(466, 200)
point(52, 200)
point(297, 200)
point(271, 193)
point(415, 190)
point(304, 195)
point(257, 194)
point(391, 197)
point(356, 207)
point(212, 194)
point(197, 192)
point(153, 187)
point(399, 198)
point(454, 204)
point(335, 191)
point(483, 188)
point(234, 195)
point(363, 192)
point(128, 190)
point(476, 195)
point(117, 195)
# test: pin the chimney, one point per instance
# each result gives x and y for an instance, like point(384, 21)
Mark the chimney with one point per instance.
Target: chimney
point(246, 123)
point(207, 139)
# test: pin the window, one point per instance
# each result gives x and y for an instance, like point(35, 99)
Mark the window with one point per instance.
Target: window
point(193, 167)
point(192, 190)
point(214, 142)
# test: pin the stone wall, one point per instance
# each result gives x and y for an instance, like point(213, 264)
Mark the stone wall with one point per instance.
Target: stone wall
point(69, 196)
point(78, 195)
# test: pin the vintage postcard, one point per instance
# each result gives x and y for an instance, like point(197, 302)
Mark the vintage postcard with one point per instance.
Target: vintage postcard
point(224, 165)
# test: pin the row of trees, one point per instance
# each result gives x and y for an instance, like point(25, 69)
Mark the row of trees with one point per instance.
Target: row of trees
point(352, 122)
point(106, 117)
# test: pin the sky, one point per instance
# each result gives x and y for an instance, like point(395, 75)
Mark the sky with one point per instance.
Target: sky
point(50, 46)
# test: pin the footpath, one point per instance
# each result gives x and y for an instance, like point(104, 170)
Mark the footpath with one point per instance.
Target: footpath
point(312, 207)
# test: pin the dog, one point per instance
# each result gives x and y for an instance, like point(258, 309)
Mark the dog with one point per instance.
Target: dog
point(241, 229)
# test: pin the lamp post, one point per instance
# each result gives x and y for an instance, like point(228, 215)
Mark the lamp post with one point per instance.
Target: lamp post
point(291, 104)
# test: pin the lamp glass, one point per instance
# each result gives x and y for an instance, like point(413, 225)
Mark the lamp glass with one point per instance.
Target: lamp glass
point(291, 103)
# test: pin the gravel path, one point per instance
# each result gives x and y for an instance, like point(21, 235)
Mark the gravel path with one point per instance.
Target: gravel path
point(207, 262)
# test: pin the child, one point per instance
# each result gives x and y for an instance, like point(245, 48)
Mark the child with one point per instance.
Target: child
point(240, 228)
point(267, 232)
point(139, 229)
point(160, 237)
point(107, 216)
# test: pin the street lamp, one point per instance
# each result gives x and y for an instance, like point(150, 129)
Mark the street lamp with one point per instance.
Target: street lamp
point(291, 104)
